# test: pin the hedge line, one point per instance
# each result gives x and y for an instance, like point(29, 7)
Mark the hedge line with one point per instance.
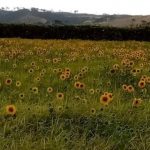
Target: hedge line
point(74, 32)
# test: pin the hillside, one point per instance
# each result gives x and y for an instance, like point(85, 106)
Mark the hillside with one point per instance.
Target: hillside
point(38, 17)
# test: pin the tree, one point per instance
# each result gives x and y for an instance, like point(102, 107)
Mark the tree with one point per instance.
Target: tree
point(75, 11)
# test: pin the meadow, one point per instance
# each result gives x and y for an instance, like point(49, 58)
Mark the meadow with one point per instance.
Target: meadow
point(74, 95)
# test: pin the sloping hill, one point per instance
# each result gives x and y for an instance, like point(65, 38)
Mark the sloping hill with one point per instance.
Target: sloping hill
point(36, 16)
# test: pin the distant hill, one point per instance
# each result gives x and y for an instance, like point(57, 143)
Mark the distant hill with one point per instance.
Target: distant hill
point(43, 17)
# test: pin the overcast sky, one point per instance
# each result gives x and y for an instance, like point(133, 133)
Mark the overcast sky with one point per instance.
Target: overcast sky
point(134, 7)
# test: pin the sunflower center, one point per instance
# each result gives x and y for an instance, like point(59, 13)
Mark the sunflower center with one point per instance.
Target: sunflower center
point(11, 109)
point(105, 99)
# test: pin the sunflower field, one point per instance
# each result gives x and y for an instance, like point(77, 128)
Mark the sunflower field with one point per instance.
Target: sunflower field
point(74, 95)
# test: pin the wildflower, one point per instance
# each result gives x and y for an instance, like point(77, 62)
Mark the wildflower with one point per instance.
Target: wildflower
point(8, 81)
point(67, 73)
point(97, 90)
point(115, 66)
point(91, 91)
point(143, 78)
point(141, 84)
point(104, 99)
point(38, 79)
point(60, 70)
point(76, 77)
point(124, 87)
point(138, 70)
point(130, 88)
point(112, 71)
point(82, 86)
point(55, 60)
point(41, 74)
point(141, 65)
point(49, 89)
point(43, 71)
point(21, 95)
point(67, 76)
point(80, 75)
point(30, 70)
point(85, 68)
point(67, 70)
point(18, 83)
point(110, 95)
point(148, 80)
point(47, 60)
point(131, 63)
point(133, 72)
point(136, 102)
point(105, 93)
point(14, 66)
point(35, 90)
point(108, 83)
point(33, 64)
point(60, 108)
point(11, 110)
point(60, 96)
point(93, 111)
point(62, 77)
point(84, 101)
point(77, 84)
point(55, 70)
point(6, 60)
point(30, 53)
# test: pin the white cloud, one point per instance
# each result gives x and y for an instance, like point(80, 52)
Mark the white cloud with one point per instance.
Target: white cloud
point(88, 6)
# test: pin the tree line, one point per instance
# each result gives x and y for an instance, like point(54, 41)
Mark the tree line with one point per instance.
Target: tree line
point(74, 32)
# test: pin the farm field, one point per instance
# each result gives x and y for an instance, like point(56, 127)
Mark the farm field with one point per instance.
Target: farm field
point(74, 95)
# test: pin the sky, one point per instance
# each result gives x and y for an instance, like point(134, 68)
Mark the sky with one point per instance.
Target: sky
point(133, 7)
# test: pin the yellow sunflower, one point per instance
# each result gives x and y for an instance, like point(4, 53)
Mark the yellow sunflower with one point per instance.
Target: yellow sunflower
point(11, 110)
point(60, 96)
point(136, 102)
point(104, 99)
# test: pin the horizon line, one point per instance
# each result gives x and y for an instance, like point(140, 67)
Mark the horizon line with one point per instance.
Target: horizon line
point(6, 8)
